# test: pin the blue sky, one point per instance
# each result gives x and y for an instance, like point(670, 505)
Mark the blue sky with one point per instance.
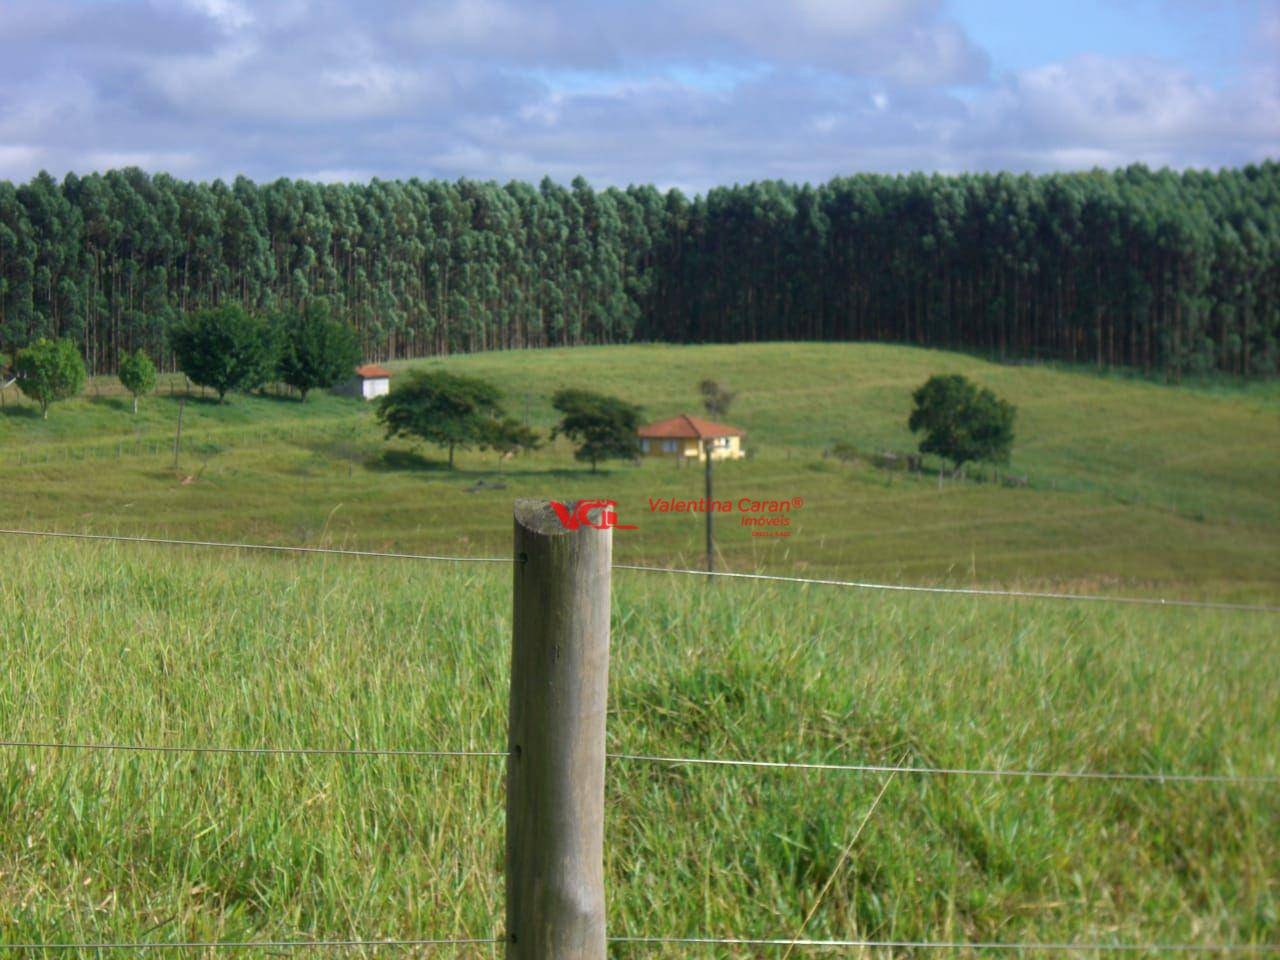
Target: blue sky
point(667, 92)
point(1205, 38)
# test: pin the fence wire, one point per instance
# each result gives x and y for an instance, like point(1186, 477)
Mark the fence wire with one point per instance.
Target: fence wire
point(773, 578)
point(958, 945)
point(956, 771)
point(960, 591)
point(268, 547)
point(269, 751)
point(252, 944)
point(990, 772)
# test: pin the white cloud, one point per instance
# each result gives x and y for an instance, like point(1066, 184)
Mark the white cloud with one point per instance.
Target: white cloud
point(240, 81)
point(228, 13)
point(1112, 111)
point(172, 161)
point(860, 19)
point(669, 92)
point(346, 175)
point(19, 160)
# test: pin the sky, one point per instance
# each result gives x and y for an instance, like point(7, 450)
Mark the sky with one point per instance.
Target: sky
point(677, 93)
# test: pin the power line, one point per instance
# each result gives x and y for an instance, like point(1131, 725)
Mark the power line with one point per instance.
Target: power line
point(962, 945)
point(278, 751)
point(954, 771)
point(252, 546)
point(252, 944)
point(962, 591)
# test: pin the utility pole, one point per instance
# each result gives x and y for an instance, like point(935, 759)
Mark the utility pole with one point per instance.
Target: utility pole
point(177, 437)
point(711, 543)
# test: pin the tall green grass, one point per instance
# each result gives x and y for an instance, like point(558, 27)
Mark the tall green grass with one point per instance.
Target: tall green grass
point(134, 644)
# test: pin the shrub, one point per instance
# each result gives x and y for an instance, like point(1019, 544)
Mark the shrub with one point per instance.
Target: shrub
point(50, 370)
point(138, 374)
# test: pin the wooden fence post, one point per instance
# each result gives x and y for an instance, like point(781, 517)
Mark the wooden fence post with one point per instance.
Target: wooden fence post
point(555, 762)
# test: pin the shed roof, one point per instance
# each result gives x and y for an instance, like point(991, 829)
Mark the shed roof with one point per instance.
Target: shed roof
point(685, 427)
point(371, 371)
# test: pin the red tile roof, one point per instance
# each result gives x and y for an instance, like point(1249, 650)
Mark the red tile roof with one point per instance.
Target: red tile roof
point(371, 371)
point(685, 427)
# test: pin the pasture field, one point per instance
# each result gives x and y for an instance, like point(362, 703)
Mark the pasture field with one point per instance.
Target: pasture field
point(170, 646)
point(1131, 486)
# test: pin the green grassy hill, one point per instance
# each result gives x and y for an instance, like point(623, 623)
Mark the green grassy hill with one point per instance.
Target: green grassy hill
point(1131, 485)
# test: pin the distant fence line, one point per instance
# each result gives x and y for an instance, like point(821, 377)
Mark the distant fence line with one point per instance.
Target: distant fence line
point(156, 445)
point(168, 383)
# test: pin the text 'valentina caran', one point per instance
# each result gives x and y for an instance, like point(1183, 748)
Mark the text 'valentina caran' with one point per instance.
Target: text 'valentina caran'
point(743, 505)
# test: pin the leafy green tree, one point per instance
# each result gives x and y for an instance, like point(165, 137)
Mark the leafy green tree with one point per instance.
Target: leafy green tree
point(138, 374)
point(50, 370)
point(226, 348)
point(318, 351)
point(604, 427)
point(962, 422)
point(450, 410)
point(715, 398)
point(510, 436)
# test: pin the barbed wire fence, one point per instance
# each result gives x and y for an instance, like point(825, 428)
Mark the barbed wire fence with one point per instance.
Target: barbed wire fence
point(573, 595)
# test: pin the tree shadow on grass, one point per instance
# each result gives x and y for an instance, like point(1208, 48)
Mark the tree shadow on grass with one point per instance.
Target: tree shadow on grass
point(115, 403)
point(556, 473)
point(23, 411)
point(273, 396)
point(210, 400)
point(411, 461)
point(407, 461)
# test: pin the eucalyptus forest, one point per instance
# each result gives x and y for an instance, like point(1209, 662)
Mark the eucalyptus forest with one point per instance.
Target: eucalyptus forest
point(1170, 272)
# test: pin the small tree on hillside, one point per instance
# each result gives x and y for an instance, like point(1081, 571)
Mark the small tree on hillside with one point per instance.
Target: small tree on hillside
point(453, 411)
point(138, 374)
point(509, 435)
point(715, 398)
point(318, 351)
point(962, 422)
point(603, 427)
point(225, 348)
point(48, 371)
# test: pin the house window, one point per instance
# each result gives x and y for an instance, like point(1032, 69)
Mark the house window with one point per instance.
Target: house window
point(669, 446)
point(644, 446)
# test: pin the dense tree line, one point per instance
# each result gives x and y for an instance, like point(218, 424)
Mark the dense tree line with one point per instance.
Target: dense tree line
point(1166, 271)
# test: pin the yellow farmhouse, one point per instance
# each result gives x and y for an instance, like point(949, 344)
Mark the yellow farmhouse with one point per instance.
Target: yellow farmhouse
point(683, 438)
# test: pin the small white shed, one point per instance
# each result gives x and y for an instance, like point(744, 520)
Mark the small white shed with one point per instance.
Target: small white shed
point(369, 381)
